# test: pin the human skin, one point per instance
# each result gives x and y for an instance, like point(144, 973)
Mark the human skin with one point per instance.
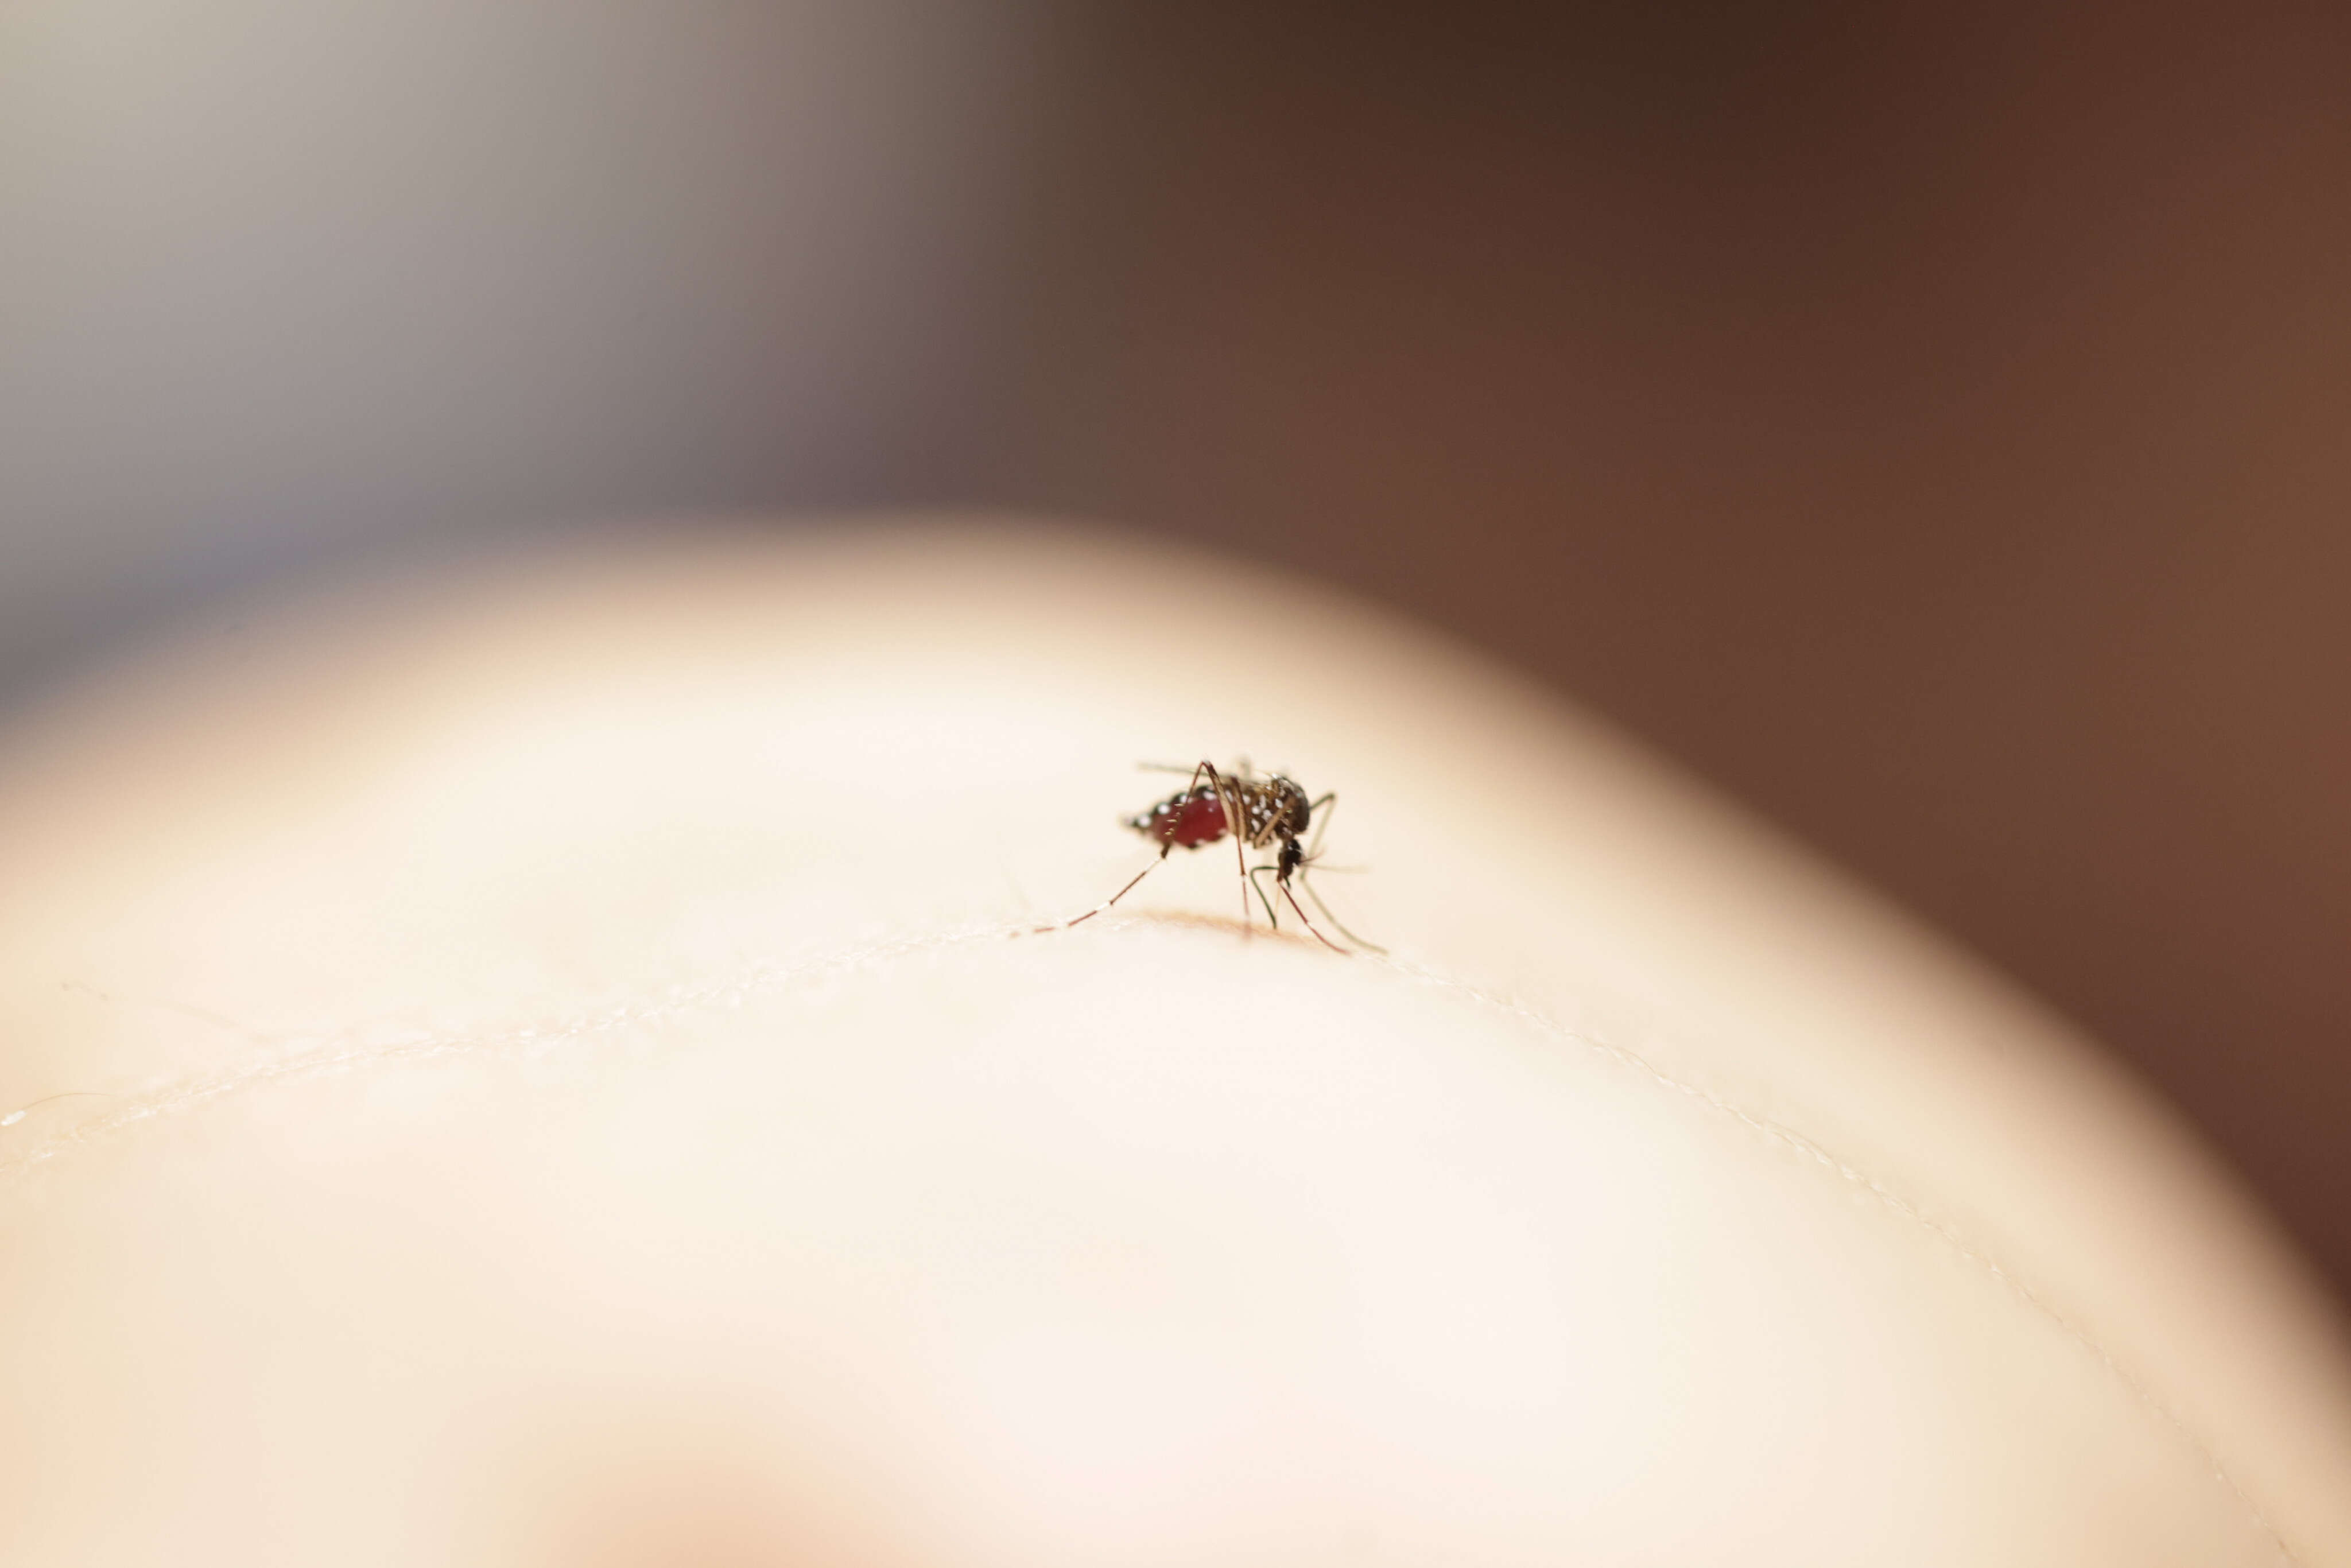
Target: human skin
point(575, 1062)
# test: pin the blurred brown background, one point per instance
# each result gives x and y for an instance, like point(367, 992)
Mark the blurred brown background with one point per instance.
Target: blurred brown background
point(1927, 422)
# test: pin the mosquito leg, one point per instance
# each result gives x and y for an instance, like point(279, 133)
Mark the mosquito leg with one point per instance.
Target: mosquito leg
point(1114, 898)
point(1310, 924)
point(1330, 800)
point(1368, 947)
point(1229, 794)
point(1240, 859)
point(1207, 767)
point(1271, 917)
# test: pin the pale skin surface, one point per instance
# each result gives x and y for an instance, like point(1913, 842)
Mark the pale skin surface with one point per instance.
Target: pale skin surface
point(581, 1093)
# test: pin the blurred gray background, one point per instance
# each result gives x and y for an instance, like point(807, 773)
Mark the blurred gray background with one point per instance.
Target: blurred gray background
point(1926, 421)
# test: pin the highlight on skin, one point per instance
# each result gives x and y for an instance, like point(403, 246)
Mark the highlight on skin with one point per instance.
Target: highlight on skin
point(588, 1085)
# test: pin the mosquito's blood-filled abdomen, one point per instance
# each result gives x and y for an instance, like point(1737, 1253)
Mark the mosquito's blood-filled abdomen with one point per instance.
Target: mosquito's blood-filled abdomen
point(1186, 820)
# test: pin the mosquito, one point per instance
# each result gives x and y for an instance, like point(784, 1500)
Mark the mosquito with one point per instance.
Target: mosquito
point(1258, 813)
